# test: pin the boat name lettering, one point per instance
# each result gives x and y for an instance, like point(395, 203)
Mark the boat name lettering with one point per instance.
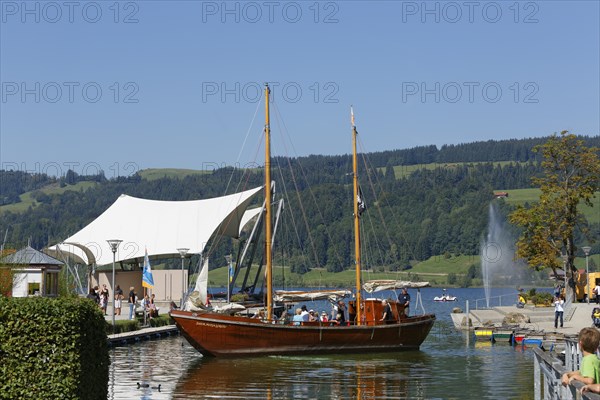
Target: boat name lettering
point(211, 325)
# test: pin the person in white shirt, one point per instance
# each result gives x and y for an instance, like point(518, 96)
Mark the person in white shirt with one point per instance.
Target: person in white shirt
point(305, 314)
point(558, 311)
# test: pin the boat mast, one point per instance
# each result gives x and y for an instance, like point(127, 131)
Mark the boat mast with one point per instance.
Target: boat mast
point(356, 219)
point(268, 227)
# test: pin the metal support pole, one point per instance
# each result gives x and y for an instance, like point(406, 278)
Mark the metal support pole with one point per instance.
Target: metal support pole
point(586, 250)
point(114, 244)
point(229, 259)
point(182, 252)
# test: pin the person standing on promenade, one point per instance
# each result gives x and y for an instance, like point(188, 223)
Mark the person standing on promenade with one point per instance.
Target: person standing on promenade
point(558, 311)
point(93, 296)
point(104, 298)
point(118, 300)
point(131, 302)
point(589, 339)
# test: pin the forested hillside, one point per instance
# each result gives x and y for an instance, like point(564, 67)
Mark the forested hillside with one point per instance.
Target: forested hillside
point(430, 211)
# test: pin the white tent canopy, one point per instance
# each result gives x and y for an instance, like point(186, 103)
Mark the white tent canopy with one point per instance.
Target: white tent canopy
point(161, 227)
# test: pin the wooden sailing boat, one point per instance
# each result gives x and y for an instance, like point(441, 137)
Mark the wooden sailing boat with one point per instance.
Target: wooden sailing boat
point(220, 335)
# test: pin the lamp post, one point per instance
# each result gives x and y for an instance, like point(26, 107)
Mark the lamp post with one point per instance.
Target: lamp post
point(114, 244)
point(586, 250)
point(564, 257)
point(182, 252)
point(229, 259)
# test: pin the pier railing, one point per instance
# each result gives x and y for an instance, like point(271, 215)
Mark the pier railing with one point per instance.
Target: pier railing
point(497, 301)
point(548, 370)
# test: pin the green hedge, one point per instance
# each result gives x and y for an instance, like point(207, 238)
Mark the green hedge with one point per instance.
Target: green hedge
point(52, 349)
point(163, 320)
point(122, 326)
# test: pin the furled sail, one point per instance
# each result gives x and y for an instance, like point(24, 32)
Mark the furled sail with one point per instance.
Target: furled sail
point(199, 297)
point(387, 284)
point(297, 295)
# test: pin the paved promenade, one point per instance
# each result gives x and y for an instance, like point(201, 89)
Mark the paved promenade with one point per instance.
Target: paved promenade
point(576, 317)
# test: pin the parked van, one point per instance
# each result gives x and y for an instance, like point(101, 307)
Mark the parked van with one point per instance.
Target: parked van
point(581, 291)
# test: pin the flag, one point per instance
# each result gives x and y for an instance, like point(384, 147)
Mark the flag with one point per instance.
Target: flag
point(362, 206)
point(230, 272)
point(147, 279)
point(351, 116)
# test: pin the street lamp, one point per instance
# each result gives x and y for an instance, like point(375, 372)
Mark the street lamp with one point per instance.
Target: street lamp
point(586, 250)
point(114, 244)
point(182, 252)
point(229, 259)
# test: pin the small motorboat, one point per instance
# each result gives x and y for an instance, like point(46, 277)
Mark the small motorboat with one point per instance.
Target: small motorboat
point(444, 297)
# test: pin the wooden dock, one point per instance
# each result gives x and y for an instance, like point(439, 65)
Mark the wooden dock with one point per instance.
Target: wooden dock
point(150, 333)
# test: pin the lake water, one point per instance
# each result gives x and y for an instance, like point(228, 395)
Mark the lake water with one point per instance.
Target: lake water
point(450, 365)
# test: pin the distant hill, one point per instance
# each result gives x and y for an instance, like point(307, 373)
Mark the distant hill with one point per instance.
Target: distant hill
point(421, 203)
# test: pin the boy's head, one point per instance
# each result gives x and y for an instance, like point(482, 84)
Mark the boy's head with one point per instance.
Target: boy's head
point(589, 339)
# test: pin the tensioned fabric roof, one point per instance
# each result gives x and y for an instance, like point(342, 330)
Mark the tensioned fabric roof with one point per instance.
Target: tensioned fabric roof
point(161, 227)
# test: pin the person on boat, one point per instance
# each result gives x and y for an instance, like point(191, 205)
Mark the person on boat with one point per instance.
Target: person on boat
point(305, 314)
point(173, 306)
point(404, 300)
point(324, 317)
point(351, 312)
point(298, 318)
point(313, 316)
point(387, 315)
point(284, 317)
point(341, 313)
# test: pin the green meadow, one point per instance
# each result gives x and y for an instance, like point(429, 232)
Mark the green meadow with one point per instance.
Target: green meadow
point(532, 195)
point(152, 174)
point(401, 171)
point(27, 199)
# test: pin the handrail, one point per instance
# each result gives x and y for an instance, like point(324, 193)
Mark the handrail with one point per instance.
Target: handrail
point(548, 371)
point(512, 302)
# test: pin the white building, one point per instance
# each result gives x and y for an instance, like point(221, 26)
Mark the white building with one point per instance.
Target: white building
point(36, 273)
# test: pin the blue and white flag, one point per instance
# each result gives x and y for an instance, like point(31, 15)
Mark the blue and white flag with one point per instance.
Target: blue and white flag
point(147, 279)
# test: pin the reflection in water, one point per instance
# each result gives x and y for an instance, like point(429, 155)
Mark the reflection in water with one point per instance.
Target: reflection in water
point(448, 367)
point(373, 376)
point(443, 370)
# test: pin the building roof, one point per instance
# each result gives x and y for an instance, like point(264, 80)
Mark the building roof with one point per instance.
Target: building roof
point(30, 256)
point(156, 227)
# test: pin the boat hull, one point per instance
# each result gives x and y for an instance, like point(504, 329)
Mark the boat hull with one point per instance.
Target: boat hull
point(234, 336)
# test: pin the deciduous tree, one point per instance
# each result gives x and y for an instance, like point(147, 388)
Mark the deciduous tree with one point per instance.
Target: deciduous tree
point(571, 175)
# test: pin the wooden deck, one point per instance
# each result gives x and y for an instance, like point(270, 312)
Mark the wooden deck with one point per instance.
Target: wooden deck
point(150, 333)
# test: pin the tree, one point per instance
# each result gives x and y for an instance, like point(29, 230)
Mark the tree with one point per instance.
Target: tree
point(571, 174)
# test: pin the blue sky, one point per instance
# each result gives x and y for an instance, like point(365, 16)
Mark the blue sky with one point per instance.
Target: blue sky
point(129, 85)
